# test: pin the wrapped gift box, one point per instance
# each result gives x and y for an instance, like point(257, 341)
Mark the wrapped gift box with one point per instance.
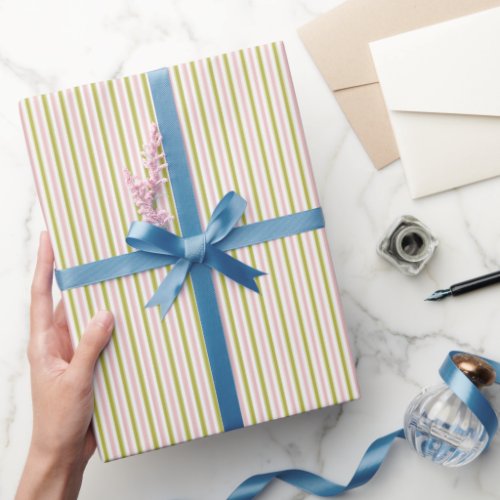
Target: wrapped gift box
point(228, 123)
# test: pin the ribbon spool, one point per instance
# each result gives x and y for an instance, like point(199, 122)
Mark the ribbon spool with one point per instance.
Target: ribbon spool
point(463, 375)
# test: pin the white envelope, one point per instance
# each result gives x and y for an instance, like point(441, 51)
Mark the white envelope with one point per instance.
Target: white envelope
point(441, 85)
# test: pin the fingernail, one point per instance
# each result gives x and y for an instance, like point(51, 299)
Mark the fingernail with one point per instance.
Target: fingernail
point(105, 319)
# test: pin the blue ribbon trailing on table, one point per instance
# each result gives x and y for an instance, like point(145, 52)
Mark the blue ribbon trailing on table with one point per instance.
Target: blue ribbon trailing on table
point(378, 450)
point(196, 252)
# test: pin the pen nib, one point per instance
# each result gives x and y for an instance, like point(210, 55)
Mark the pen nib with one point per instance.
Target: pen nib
point(439, 294)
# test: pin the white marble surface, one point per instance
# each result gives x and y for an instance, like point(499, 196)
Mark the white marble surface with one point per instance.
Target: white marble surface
point(399, 340)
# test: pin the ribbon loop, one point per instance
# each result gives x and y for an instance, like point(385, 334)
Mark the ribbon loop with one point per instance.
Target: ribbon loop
point(225, 216)
point(153, 239)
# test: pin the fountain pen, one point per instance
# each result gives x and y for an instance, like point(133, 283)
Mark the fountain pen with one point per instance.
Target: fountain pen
point(466, 286)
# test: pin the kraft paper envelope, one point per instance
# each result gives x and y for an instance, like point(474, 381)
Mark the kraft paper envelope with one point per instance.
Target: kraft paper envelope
point(442, 88)
point(338, 43)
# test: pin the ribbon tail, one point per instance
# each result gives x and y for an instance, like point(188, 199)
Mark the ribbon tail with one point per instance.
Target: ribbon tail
point(170, 287)
point(232, 268)
point(317, 485)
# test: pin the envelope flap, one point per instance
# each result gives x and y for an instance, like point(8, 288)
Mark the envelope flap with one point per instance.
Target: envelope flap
point(452, 67)
point(338, 40)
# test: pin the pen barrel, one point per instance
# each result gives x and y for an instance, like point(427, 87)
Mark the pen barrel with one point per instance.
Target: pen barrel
point(475, 283)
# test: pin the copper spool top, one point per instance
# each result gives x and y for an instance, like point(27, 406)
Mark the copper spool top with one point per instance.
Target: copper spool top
point(476, 369)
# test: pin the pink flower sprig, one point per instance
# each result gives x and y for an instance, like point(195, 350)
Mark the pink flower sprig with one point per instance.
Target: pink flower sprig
point(145, 191)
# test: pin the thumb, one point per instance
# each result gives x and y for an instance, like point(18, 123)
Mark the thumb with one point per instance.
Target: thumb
point(93, 341)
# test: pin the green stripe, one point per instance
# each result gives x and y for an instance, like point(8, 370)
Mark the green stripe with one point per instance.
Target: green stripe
point(56, 235)
point(220, 193)
point(320, 248)
point(190, 289)
point(299, 239)
point(273, 199)
point(138, 290)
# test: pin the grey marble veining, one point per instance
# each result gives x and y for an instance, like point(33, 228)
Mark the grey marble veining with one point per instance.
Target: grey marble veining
point(398, 339)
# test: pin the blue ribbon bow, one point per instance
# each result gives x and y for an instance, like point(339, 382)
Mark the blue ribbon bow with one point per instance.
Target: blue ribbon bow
point(195, 250)
point(158, 247)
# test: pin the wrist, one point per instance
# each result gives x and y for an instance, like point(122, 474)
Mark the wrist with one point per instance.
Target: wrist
point(50, 474)
point(58, 458)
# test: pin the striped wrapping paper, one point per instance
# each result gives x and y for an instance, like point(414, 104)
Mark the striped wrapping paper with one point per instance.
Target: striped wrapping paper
point(241, 128)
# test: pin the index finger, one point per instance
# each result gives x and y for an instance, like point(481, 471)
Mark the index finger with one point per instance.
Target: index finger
point(41, 310)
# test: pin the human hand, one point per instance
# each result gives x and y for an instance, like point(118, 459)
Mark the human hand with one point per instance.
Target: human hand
point(61, 385)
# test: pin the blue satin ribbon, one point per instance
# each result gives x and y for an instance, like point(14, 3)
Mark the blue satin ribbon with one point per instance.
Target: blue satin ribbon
point(159, 247)
point(378, 450)
point(194, 250)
